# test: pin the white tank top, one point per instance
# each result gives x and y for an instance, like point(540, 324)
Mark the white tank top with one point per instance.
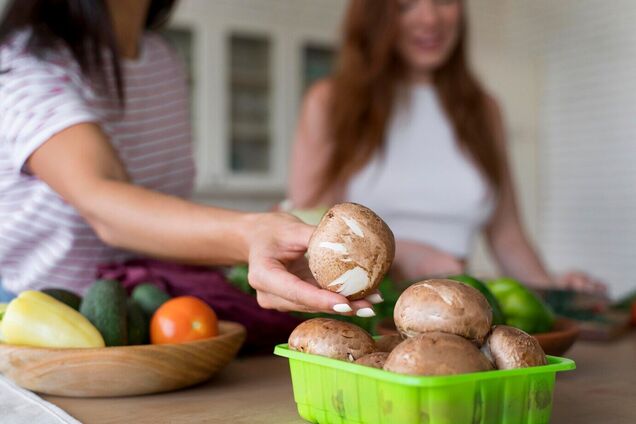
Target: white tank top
point(421, 183)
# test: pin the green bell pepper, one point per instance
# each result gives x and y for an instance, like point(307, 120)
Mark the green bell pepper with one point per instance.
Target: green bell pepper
point(521, 307)
point(497, 314)
point(237, 275)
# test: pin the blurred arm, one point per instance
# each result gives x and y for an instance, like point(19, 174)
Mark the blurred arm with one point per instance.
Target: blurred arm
point(505, 234)
point(311, 152)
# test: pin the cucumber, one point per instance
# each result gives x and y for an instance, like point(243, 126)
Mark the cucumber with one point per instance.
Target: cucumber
point(105, 307)
point(138, 324)
point(149, 297)
point(67, 297)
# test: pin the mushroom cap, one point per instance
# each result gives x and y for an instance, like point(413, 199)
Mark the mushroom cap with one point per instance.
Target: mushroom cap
point(509, 347)
point(388, 342)
point(443, 305)
point(374, 360)
point(331, 338)
point(351, 250)
point(436, 354)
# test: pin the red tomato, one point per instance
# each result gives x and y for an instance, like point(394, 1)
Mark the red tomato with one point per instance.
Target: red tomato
point(183, 319)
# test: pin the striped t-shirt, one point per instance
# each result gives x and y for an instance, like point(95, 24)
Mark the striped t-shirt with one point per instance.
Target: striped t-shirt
point(44, 241)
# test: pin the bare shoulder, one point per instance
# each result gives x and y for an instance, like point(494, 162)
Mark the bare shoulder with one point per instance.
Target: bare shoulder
point(493, 108)
point(319, 95)
point(495, 116)
point(314, 117)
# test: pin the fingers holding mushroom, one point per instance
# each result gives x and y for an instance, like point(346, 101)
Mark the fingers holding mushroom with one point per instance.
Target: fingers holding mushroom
point(443, 305)
point(331, 338)
point(351, 250)
point(509, 347)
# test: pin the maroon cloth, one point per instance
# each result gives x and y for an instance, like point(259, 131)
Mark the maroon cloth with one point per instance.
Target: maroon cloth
point(265, 328)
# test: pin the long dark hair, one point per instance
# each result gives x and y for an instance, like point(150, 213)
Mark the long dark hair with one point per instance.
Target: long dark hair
point(365, 85)
point(83, 26)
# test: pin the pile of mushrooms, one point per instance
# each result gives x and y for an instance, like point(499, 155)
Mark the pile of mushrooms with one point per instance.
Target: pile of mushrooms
point(445, 327)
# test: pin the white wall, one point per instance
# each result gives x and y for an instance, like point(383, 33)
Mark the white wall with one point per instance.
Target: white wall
point(588, 154)
point(512, 74)
point(566, 71)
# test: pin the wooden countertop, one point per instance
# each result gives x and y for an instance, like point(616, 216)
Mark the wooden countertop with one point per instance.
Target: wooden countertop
point(258, 390)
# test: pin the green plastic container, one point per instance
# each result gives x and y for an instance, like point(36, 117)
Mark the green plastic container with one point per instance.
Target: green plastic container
point(330, 391)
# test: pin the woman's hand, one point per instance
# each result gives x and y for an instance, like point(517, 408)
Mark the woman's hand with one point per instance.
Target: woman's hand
point(416, 260)
point(580, 281)
point(278, 270)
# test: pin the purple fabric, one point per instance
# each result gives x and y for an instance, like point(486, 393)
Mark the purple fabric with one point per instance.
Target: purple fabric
point(265, 328)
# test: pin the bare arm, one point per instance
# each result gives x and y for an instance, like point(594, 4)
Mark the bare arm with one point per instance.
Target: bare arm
point(312, 149)
point(508, 241)
point(80, 164)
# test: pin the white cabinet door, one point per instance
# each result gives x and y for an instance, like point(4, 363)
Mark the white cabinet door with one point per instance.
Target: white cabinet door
point(252, 143)
point(251, 61)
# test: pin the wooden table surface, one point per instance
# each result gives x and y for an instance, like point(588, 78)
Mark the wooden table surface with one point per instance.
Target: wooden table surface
point(258, 390)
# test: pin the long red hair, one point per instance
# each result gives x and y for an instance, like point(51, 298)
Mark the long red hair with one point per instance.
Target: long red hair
point(364, 89)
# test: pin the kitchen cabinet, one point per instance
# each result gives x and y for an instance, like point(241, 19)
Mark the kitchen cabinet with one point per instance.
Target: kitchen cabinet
point(250, 61)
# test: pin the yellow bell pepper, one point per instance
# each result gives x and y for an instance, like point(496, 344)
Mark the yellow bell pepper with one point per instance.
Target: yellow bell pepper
point(37, 319)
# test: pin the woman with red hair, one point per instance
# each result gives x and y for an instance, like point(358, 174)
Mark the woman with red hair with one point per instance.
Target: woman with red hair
point(405, 128)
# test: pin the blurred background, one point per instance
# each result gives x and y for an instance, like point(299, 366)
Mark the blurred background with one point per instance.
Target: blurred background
point(562, 71)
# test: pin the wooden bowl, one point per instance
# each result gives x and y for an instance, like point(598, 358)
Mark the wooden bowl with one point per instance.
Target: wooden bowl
point(556, 342)
point(560, 339)
point(120, 371)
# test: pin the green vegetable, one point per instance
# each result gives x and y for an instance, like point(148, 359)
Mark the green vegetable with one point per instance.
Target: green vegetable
point(149, 297)
point(497, 314)
point(309, 216)
point(237, 275)
point(105, 307)
point(522, 308)
point(138, 324)
point(625, 303)
point(66, 297)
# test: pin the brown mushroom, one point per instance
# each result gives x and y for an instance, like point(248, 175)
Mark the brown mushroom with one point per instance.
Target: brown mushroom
point(332, 338)
point(388, 342)
point(351, 250)
point(374, 360)
point(443, 305)
point(436, 353)
point(509, 347)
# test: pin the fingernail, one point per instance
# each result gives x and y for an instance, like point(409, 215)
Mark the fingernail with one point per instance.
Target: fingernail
point(365, 313)
point(342, 308)
point(374, 298)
